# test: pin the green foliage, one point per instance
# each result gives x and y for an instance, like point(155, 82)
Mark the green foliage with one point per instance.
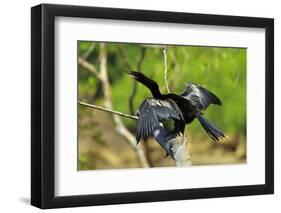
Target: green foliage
point(221, 70)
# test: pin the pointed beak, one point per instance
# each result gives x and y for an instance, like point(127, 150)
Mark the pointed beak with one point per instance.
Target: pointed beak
point(130, 74)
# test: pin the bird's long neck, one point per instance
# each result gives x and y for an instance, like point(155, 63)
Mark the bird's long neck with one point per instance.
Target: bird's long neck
point(156, 92)
point(151, 85)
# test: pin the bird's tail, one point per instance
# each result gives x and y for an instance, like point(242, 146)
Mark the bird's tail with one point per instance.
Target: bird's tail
point(212, 131)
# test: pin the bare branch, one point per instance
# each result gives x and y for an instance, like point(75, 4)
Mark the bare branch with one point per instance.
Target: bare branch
point(181, 154)
point(89, 51)
point(119, 126)
point(108, 110)
point(165, 68)
point(180, 151)
point(88, 66)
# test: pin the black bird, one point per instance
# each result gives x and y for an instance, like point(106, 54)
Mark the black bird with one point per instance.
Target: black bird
point(182, 109)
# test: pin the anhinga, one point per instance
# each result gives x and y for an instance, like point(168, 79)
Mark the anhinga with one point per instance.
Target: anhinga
point(182, 109)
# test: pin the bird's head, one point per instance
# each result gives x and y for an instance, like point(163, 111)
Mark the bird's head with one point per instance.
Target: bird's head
point(136, 75)
point(149, 83)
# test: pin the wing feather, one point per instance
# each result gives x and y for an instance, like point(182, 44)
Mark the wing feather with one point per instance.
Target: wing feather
point(200, 96)
point(152, 112)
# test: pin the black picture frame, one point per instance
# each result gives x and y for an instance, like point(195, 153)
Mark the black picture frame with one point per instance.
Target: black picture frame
point(43, 102)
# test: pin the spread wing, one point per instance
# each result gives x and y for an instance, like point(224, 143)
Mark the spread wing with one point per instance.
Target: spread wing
point(154, 111)
point(200, 96)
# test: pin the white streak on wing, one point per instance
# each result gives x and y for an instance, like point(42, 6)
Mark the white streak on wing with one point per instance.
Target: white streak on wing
point(154, 102)
point(156, 133)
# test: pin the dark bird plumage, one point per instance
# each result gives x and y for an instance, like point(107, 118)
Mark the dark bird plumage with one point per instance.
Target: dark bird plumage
point(199, 97)
point(152, 112)
point(180, 108)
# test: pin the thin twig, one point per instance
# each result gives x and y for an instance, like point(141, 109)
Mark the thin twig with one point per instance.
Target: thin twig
point(165, 68)
point(176, 68)
point(89, 67)
point(89, 51)
point(108, 110)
